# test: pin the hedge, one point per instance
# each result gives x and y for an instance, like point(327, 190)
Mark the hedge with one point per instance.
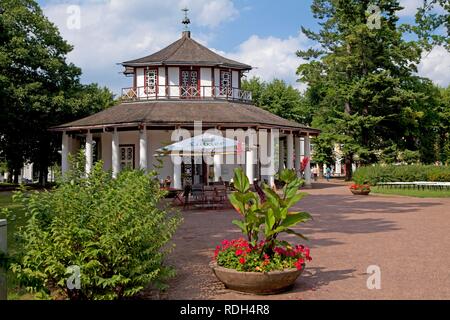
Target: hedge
point(401, 173)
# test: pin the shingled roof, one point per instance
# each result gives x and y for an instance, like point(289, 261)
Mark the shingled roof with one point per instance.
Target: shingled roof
point(186, 51)
point(172, 113)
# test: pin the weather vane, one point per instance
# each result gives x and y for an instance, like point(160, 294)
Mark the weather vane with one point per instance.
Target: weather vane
point(186, 20)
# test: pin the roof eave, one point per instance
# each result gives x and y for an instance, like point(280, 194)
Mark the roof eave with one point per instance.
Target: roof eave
point(184, 63)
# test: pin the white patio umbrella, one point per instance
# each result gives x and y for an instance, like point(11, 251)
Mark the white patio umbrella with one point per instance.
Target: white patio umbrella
point(205, 143)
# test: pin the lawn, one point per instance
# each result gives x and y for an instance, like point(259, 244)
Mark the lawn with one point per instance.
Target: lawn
point(15, 221)
point(418, 193)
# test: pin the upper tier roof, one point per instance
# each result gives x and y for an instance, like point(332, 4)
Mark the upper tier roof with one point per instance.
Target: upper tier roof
point(186, 51)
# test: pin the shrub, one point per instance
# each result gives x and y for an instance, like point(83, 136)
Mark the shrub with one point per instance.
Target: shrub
point(401, 173)
point(112, 229)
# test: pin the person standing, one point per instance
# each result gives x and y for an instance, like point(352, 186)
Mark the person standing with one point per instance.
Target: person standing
point(328, 174)
point(314, 172)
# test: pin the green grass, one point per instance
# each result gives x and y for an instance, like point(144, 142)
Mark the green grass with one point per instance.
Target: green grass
point(410, 192)
point(15, 221)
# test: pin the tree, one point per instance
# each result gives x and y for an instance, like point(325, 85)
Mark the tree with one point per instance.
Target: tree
point(38, 87)
point(432, 24)
point(360, 77)
point(279, 98)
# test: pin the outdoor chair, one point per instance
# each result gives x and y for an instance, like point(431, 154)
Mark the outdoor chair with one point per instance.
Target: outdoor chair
point(209, 196)
point(197, 193)
point(221, 194)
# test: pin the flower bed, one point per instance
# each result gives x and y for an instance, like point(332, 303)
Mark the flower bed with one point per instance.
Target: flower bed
point(238, 254)
point(360, 189)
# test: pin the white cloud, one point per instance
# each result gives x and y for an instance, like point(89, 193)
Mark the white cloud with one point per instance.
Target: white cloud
point(410, 7)
point(436, 66)
point(113, 31)
point(215, 12)
point(272, 57)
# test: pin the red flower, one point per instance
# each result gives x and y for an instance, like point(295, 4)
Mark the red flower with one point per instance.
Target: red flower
point(299, 264)
point(216, 252)
point(239, 252)
point(242, 260)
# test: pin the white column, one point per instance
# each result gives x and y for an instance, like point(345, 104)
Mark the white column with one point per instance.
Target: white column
point(308, 165)
point(290, 151)
point(177, 175)
point(297, 155)
point(217, 167)
point(281, 156)
point(143, 149)
point(65, 153)
point(271, 147)
point(89, 152)
point(338, 166)
point(249, 167)
point(115, 153)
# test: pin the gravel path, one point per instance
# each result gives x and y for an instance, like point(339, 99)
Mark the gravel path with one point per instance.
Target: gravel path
point(408, 238)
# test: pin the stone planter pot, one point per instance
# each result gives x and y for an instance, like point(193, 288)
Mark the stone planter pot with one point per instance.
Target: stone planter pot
point(256, 282)
point(360, 192)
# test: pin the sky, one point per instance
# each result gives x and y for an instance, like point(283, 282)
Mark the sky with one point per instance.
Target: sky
point(263, 33)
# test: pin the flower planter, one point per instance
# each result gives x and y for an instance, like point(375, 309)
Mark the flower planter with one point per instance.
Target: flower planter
point(257, 282)
point(360, 192)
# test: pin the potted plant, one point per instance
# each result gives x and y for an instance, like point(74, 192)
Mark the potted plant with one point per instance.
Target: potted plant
point(267, 265)
point(360, 189)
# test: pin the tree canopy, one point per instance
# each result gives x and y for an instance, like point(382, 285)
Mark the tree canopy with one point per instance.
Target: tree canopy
point(39, 88)
point(364, 84)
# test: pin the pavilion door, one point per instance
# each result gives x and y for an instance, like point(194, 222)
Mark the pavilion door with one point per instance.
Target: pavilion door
point(194, 173)
point(190, 83)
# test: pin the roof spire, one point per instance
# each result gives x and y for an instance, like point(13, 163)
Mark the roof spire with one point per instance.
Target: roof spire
point(186, 21)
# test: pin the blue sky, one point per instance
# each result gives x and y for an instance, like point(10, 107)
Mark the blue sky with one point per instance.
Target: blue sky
point(263, 33)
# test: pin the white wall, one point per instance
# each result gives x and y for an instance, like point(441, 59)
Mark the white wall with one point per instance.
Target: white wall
point(107, 150)
point(161, 81)
point(140, 77)
point(217, 80)
point(205, 80)
point(235, 83)
point(174, 80)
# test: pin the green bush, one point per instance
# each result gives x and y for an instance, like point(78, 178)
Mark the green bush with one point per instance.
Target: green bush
point(112, 229)
point(401, 173)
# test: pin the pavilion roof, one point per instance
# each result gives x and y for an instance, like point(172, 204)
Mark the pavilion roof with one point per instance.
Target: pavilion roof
point(185, 51)
point(213, 113)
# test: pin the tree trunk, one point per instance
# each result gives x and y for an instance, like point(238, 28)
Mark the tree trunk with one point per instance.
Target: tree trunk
point(348, 168)
point(16, 173)
point(10, 176)
point(43, 176)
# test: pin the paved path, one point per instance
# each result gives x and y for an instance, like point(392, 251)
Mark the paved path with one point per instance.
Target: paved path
point(408, 238)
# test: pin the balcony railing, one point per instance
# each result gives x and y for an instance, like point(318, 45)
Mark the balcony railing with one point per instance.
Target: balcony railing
point(164, 92)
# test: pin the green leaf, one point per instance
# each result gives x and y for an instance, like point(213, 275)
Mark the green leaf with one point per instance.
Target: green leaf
point(293, 219)
point(290, 231)
point(241, 225)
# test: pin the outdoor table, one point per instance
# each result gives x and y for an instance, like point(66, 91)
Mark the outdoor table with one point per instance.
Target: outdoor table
point(176, 194)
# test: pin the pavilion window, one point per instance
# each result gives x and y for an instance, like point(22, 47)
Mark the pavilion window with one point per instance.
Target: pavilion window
point(126, 157)
point(189, 81)
point(151, 81)
point(225, 83)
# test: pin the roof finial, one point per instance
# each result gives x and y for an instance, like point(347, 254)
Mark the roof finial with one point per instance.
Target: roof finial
point(186, 20)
